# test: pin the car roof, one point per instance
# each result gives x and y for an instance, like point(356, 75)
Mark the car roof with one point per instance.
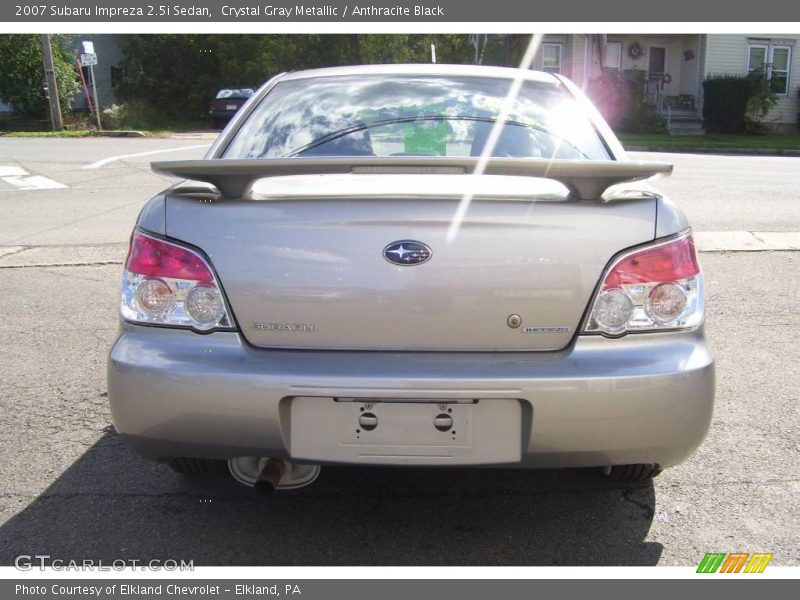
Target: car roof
point(426, 69)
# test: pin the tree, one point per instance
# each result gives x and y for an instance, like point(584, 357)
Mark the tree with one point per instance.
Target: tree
point(177, 75)
point(22, 75)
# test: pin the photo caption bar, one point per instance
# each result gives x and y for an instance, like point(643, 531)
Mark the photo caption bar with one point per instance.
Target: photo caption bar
point(443, 11)
point(347, 589)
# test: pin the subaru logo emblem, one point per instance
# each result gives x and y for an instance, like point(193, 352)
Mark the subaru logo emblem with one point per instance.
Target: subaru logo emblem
point(407, 253)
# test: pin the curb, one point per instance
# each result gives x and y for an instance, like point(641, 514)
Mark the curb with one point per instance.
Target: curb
point(121, 133)
point(84, 134)
point(723, 151)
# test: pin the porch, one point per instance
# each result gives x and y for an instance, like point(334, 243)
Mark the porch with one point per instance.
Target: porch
point(671, 69)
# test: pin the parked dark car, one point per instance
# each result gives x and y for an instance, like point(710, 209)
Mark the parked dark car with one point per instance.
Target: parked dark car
point(226, 103)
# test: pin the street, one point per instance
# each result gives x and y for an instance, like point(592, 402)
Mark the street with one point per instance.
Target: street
point(73, 490)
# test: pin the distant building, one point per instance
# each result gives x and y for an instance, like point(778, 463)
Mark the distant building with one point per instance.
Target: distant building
point(675, 67)
point(107, 71)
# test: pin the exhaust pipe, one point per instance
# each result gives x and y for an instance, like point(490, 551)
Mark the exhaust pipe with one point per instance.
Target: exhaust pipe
point(270, 475)
point(267, 474)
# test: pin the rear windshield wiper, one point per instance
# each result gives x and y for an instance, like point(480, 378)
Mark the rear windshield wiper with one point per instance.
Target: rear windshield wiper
point(340, 133)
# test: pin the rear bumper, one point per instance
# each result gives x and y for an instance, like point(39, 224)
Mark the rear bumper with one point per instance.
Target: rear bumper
point(641, 399)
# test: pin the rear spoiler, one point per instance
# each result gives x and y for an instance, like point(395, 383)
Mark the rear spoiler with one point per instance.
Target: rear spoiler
point(586, 180)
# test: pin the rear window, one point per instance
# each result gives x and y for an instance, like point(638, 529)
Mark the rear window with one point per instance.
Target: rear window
point(376, 115)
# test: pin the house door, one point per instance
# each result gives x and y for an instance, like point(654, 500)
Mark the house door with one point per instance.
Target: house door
point(655, 75)
point(658, 60)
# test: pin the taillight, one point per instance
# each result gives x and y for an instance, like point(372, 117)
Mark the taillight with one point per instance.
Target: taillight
point(215, 105)
point(167, 284)
point(658, 287)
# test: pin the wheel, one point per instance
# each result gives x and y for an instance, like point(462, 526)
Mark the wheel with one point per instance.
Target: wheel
point(198, 468)
point(633, 473)
point(217, 124)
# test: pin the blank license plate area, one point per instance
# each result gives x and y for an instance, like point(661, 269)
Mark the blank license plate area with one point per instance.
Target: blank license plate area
point(405, 432)
point(400, 424)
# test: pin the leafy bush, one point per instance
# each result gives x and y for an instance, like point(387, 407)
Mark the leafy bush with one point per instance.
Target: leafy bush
point(139, 114)
point(620, 97)
point(77, 120)
point(113, 116)
point(736, 104)
point(22, 74)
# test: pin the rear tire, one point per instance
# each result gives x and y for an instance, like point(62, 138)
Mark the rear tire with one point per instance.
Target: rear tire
point(633, 473)
point(198, 468)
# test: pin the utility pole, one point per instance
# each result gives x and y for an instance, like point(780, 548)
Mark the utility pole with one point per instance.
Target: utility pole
point(52, 86)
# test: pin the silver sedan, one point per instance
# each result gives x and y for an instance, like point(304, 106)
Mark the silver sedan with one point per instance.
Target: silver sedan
point(412, 265)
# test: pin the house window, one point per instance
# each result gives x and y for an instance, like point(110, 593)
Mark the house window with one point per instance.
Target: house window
point(551, 58)
point(613, 58)
point(779, 72)
point(774, 62)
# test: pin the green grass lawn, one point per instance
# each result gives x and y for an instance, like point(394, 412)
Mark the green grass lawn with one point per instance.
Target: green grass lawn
point(80, 133)
point(14, 126)
point(74, 133)
point(711, 142)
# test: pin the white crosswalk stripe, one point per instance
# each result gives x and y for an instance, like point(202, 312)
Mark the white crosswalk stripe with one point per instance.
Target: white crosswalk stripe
point(22, 180)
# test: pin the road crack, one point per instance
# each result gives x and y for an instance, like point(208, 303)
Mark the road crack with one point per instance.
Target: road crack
point(100, 263)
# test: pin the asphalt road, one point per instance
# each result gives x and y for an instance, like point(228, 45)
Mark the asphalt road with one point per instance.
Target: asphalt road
point(99, 205)
point(69, 488)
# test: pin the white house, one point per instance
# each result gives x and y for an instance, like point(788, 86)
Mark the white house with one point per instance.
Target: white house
point(676, 66)
point(106, 72)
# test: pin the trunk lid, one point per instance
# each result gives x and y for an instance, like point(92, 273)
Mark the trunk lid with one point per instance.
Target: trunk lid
point(303, 268)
